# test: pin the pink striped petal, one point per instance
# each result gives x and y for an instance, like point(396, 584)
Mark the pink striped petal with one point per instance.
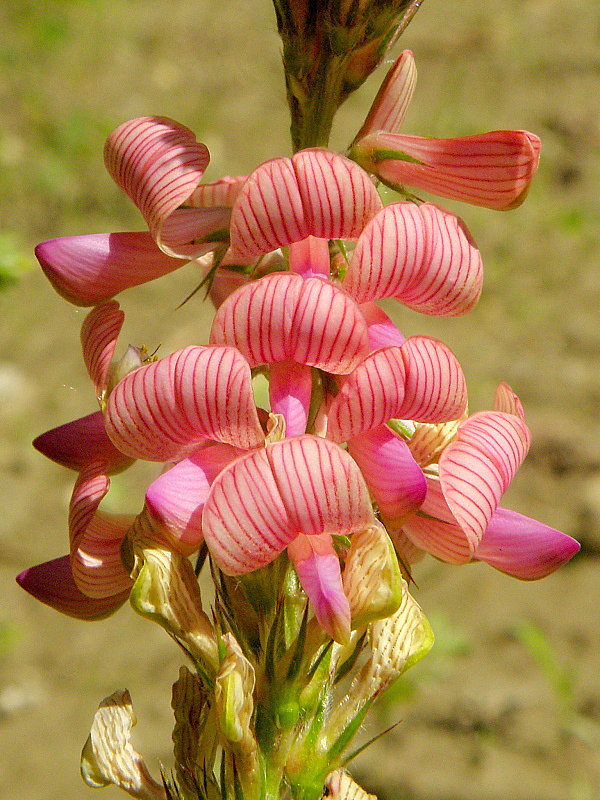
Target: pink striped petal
point(337, 196)
point(90, 488)
point(434, 529)
point(164, 410)
point(435, 387)
point(315, 193)
point(318, 569)
point(382, 331)
point(507, 401)
point(389, 108)
point(491, 169)
point(369, 396)
point(310, 257)
point(175, 500)
point(87, 270)
point(421, 255)
point(477, 467)
point(52, 583)
point(290, 388)
point(222, 192)
point(262, 501)
point(283, 317)
point(77, 444)
point(268, 211)
point(99, 334)
point(523, 547)
point(96, 562)
point(395, 479)
point(158, 163)
point(422, 380)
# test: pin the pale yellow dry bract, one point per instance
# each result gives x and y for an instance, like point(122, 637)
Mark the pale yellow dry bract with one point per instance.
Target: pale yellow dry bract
point(108, 755)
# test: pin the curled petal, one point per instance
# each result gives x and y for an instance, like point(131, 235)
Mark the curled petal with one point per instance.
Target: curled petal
point(90, 488)
point(81, 442)
point(175, 500)
point(523, 547)
point(338, 198)
point(318, 568)
point(284, 317)
point(421, 255)
point(395, 479)
point(263, 500)
point(159, 164)
point(491, 169)
point(315, 193)
point(222, 192)
point(435, 388)
point(96, 561)
point(99, 334)
point(164, 410)
point(370, 395)
point(421, 380)
point(52, 583)
point(90, 269)
point(388, 110)
point(477, 467)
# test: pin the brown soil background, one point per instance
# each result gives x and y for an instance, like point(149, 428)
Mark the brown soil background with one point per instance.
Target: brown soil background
point(507, 705)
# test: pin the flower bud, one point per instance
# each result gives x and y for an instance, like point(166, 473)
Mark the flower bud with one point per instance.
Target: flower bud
point(372, 580)
point(108, 755)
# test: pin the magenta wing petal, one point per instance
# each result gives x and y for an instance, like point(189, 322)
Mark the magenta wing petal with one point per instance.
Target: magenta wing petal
point(318, 569)
point(164, 410)
point(87, 270)
point(395, 479)
point(175, 500)
point(391, 102)
point(283, 317)
point(523, 547)
point(492, 169)
point(77, 444)
point(477, 467)
point(99, 334)
point(159, 164)
point(52, 584)
point(262, 501)
point(315, 193)
point(421, 255)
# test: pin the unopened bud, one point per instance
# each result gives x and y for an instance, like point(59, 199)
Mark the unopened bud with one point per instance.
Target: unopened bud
point(372, 579)
point(108, 755)
point(131, 360)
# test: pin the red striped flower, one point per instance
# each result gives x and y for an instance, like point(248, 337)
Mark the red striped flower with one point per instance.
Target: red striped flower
point(491, 169)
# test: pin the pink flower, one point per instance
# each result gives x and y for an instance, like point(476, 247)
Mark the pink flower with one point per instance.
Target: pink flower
point(491, 169)
point(159, 165)
point(460, 520)
point(91, 581)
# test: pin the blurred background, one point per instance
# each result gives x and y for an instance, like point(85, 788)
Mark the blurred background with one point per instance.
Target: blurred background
point(507, 705)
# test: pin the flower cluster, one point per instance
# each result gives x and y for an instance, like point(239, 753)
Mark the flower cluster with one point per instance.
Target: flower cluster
point(363, 457)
